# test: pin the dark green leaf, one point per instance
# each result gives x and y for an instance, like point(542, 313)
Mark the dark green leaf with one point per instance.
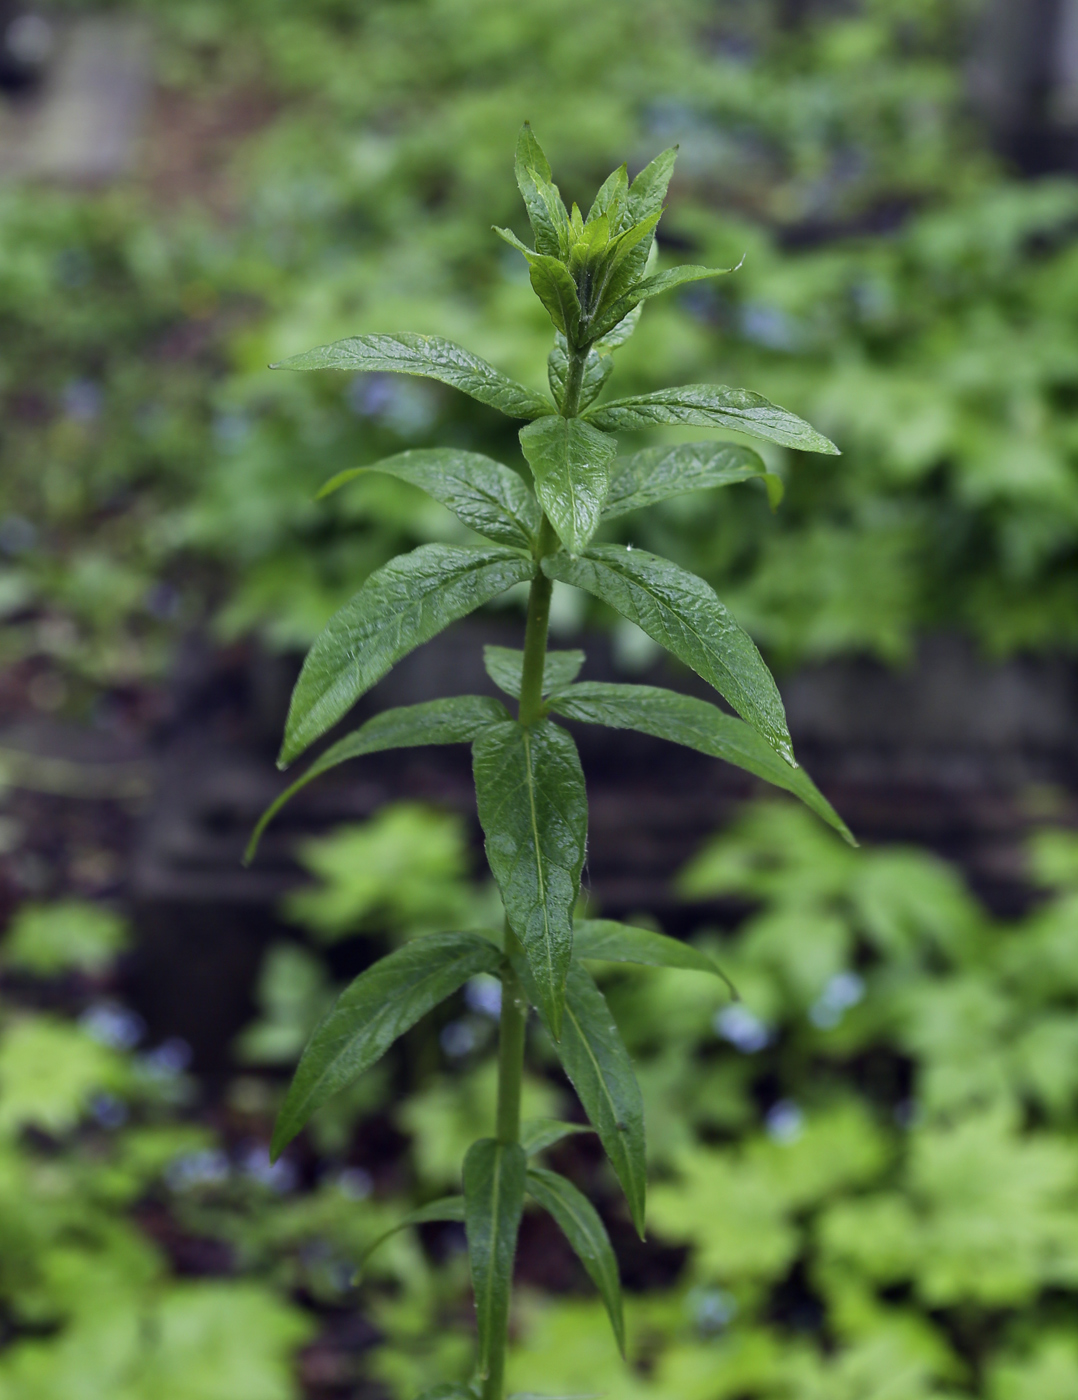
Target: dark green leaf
point(556, 289)
point(372, 1012)
point(570, 461)
point(534, 812)
point(494, 1174)
point(620, 333)
point(449, 1208)
point(579, 1222)
point(594, 1056)
point(505, 667)
point(658, 472)
point(537, 1134)
point(682, 613)
point(400, 606)
point(713, 405)
point(606, 941)
point(625, 292)
point(617, 276)
point(430, 357)
point(683, 719)
point(546, 213)
point(457, 720)
point(487, 496)
point(597, 370)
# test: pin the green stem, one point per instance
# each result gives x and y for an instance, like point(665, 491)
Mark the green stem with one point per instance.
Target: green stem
point(535, 633)
point(574, 382)
point(514, 1018)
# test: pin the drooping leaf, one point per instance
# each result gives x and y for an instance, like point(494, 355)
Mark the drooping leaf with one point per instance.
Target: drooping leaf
point(487, 496)
point(430, 357)
point(400, 606)
point(372, 1012)
point(533, 809)
point(556, 289)
point(456, 720)
point(570, 461)
point(597, 370)
point(505, 668)
point(682, 613)
point(684, 719)
point(579, 1222)
point(449, 1208)
point(715, 406)
point(658, 472)
point(494, 1175)
point(594, 1057)
point(546, 212)
point(605, 940)
point(537, 1134)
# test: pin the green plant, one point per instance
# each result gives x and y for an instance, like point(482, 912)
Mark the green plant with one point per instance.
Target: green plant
point(592, 277)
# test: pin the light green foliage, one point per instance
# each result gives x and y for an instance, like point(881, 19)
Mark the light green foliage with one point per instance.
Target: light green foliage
point(49, 1071)
point(406, 869)
point(45, 939)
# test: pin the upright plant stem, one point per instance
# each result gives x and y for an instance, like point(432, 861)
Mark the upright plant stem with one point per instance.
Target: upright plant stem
point(514, 1012)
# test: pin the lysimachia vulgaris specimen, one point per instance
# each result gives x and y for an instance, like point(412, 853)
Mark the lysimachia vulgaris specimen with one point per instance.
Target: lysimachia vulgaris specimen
point(592, 275)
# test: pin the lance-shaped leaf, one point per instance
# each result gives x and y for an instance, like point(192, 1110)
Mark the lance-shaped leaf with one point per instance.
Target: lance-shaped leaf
point(712, 405)
point(400, 606)
point(449, 1208)
point(594, 1057)
point(659, 472)
point(683, 614)
point(612, 197)
point(618, 273)
point(625, 292)
point(494, 1175)
point(505, 668)
point(533, 808)
point(372, 1012)
point(537, 1134)
point(556, 289)
point(487, 496)
point(546, 212)
point(430, 357)
point(620, 333)
point(579, 1222)
point(597, 369)
point(648, 189)
point(684, 719)
point(570, 461)
point(456, 720)
point(604, 940)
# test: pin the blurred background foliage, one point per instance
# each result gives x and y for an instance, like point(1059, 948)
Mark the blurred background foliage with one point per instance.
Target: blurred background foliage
point(866, 1172)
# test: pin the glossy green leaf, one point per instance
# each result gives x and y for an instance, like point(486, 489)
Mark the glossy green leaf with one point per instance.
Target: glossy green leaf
point(597, 370)
point(605, 940)
point(487, 496)
point(594, 1057)
point(430, 357)
point(715, 406)
point(534, 812)
point(570, 461)
point(505, 667)
point(556, 289)
point(617, 274)
point(620, 333)
point(579, 1222)
point(658, 472)
point(682, 613)
point(494, 1175)
point(537, 1134)
point(449, 1208)
point(684, 719)
point(456, 720)
point(625, 292)
point(546, 213)
point(648, 189)
point(400, 606)
point(613, 196)
point(372, 1012)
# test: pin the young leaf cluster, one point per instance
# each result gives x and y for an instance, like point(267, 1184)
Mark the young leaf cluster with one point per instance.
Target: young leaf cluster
point(592, 276)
